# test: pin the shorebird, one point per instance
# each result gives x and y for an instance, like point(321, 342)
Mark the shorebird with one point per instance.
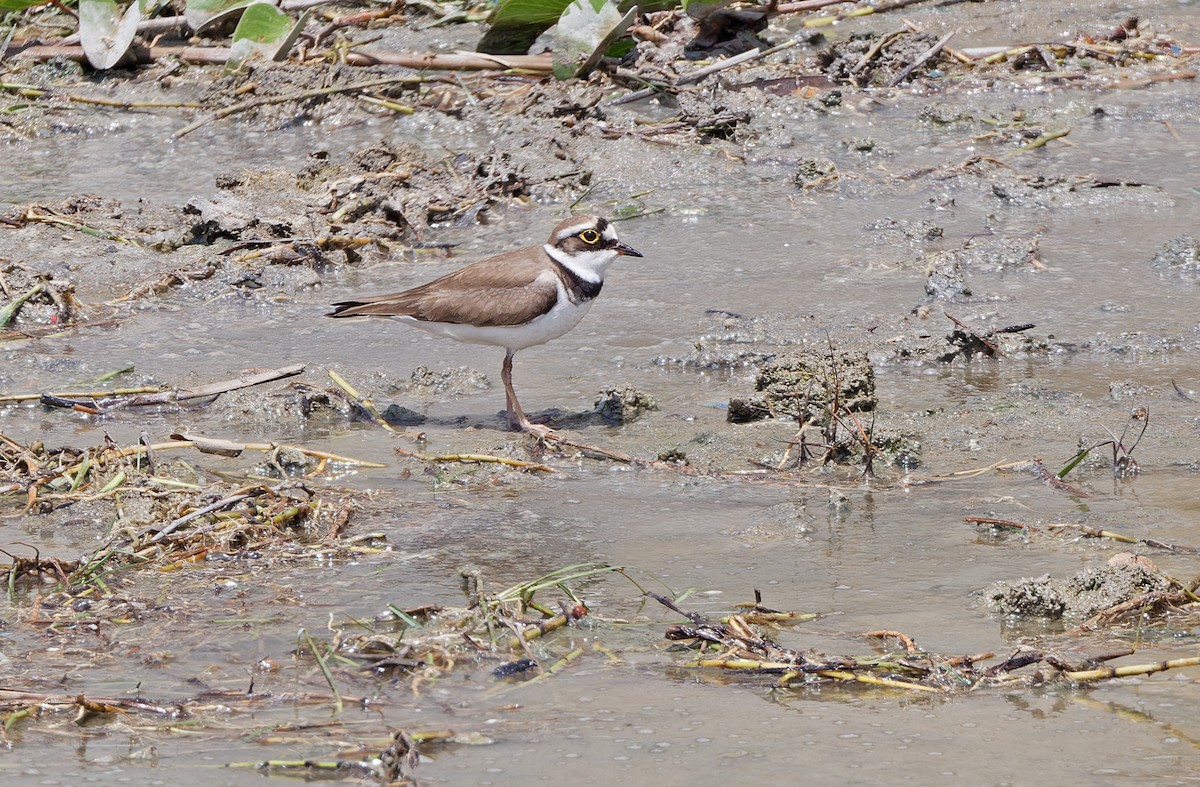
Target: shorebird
point(513, 300)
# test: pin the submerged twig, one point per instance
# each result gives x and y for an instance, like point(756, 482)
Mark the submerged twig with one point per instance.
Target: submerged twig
point(1102, 673)
point(922, 59)
point(153, 395)
point(324, 667)
point(477, 458)
point(364, 404)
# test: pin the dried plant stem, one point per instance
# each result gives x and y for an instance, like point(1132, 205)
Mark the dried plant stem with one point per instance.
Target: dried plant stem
point(337, 695)
point(1102, 673)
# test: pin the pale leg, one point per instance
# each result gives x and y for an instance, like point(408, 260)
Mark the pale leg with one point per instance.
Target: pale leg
point(514, 407)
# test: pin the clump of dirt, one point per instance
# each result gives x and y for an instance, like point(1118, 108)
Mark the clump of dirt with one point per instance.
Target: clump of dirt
point(265, 414)
point(623, 405)
point(725, 32)
point(744, 410)
point(889, 231)
point(902, 449)
point(1180, 254)
point(990, 179)
point(944, 277)
point(875, 60)
point(965, 344)
point(276, 230)
point(812, 172)
point(32, 298)
point(384, 192)
point(811, 386)
point(997, 254)
point(1061, 191)
point(444, 382)
point(399, 415)
point(1080, 596)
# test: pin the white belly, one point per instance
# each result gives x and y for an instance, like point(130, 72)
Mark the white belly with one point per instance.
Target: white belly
point(554, 323)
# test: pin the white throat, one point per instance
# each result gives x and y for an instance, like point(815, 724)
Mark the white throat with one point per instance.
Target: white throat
point(587, 265)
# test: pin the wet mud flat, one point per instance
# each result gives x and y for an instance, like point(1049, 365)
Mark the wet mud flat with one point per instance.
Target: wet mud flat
point(883, 460)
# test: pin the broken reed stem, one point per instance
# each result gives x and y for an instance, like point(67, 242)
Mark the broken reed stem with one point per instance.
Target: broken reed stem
point(1040, 142)
point(157, 394)
point(337, 695)
point(10, 311)
point(366, 404)
point(137, 450)
point(537, 630)
point(219, 55)
point(618, 456)
point(484, 458)
point(175, 524)
point(1102, 673)
point(34, 91)
point(1087, 530)
point(875, 681)
point(925, 56)
point(113, 486)
point(57, 221)
point(793, 670)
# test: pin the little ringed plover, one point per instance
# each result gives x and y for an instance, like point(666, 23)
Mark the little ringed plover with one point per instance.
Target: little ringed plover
point(513, 300)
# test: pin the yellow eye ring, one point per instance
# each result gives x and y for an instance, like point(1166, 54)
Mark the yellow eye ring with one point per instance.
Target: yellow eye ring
point(590, 237)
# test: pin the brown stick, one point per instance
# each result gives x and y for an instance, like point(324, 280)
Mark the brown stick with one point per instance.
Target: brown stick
point(202, 55)
point(218, 55)
point(927, 55)
point(462, 61)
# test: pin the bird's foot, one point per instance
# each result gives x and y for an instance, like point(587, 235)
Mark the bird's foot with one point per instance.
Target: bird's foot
point(517, 421)
point(540, 431)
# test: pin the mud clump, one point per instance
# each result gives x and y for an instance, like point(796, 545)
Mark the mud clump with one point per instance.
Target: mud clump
point(866, 60)
point(623, 405)
point(1080, 596)
point(39, 298)
point(944, 277)
point(399, 415)
point(810, 386)
point(964, 344)
point(445, 382)
point(811, 172)
point(1040, 598)
point(889, 231)
point(747, 410)
point(1180, 254)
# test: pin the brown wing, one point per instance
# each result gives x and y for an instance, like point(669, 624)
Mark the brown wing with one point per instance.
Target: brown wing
point(501, 290)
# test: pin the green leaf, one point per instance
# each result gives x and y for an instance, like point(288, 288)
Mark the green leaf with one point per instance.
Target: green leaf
point(19, 5)
point(105, 33)
point(202, 13)
point(516, 24)
point(1073, 463)
point(263, 30)
point(586, 29)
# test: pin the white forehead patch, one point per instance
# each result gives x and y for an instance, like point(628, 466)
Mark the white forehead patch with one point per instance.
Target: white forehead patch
point(610, 232)
point(574, 229)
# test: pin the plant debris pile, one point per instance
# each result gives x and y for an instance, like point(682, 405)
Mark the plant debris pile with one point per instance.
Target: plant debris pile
point(44, 302)
point(736, 644)
point(163, 513)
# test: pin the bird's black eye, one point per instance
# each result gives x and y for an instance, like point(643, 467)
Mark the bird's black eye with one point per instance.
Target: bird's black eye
point(590, 237)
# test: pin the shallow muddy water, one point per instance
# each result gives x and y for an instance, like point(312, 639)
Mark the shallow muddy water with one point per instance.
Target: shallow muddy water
point(798, 267)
